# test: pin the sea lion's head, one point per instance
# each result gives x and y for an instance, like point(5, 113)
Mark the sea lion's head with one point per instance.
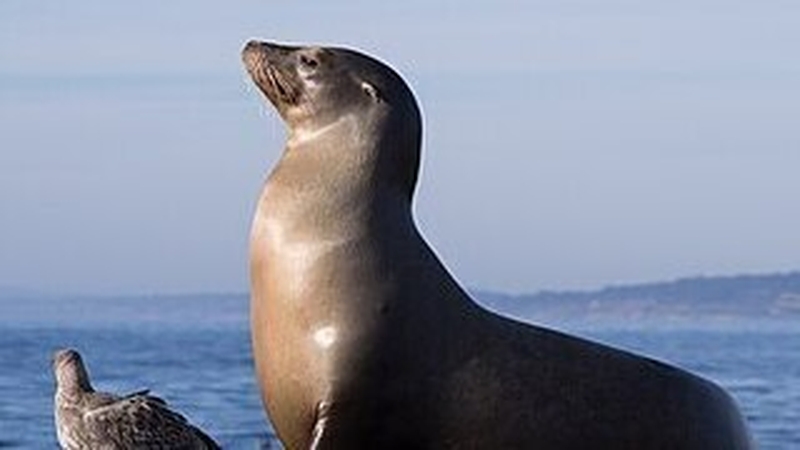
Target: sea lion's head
point(320, 84)
point(315, 88)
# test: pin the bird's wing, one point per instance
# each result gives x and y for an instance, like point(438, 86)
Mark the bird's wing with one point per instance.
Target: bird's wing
point(143, 421)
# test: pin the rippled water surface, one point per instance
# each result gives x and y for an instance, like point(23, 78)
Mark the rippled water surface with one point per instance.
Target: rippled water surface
point(207, 375)
point(760, 369)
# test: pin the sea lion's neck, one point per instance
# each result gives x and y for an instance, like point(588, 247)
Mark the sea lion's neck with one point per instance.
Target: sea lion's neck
point(330, 172)
point(309, 134)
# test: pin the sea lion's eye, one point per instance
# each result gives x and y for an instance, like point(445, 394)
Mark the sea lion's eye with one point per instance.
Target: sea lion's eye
point(371, 91)
point(308, 62)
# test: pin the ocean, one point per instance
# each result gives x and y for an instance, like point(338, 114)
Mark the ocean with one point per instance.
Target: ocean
point(195, 353)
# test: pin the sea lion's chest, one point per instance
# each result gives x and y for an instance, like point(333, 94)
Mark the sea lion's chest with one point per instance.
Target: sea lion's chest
point(315, 266)
point(298, 249)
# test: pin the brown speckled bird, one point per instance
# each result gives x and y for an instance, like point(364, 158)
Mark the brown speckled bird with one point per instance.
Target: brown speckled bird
point(86, 419)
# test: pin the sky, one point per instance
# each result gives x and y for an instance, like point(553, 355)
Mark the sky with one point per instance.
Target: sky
point(569, 144)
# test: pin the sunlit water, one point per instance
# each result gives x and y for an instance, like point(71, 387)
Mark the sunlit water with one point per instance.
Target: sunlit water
point(205, 370)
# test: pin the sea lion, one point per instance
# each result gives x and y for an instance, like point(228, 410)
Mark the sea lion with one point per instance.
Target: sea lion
point(361, 337)
point(87, 419)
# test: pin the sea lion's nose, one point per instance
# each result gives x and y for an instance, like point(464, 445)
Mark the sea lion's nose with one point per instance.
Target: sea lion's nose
point(256, 53)
point(253, 45)
point(270, 47)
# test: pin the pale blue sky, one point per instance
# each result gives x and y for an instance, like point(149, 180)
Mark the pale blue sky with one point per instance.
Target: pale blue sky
point(569, 144)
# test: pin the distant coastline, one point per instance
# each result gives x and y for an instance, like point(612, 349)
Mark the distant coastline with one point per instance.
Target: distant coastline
point(719, 301)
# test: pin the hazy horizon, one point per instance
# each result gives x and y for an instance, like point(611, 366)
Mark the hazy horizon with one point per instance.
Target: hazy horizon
point(567, 146)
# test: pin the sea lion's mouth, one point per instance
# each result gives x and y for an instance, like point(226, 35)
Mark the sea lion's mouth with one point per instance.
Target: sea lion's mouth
point(282, 86)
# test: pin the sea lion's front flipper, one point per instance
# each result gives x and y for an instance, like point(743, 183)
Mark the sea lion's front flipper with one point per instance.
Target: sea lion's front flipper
point(320, 433)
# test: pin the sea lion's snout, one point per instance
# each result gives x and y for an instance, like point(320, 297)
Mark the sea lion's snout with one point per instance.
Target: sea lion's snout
point(251, 45)
point(254, 47)
point(271, 66)
point(263, 49)
point(257, 54)
point(253, 53)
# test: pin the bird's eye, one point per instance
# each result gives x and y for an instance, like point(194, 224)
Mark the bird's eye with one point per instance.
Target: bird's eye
point(308, 62)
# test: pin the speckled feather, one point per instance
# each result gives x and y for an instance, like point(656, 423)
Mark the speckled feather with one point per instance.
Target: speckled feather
point(86, 419)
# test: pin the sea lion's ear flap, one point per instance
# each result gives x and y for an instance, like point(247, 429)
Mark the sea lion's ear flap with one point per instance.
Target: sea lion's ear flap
point(372, 91)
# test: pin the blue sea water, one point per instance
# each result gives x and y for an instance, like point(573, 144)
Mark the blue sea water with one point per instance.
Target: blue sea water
point(200, 361)
point(761, 369)
point(205, 374)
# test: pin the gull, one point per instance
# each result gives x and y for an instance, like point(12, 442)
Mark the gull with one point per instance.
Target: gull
point(87, 419)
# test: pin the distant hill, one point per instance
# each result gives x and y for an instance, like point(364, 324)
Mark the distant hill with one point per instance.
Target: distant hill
point(712, 301)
